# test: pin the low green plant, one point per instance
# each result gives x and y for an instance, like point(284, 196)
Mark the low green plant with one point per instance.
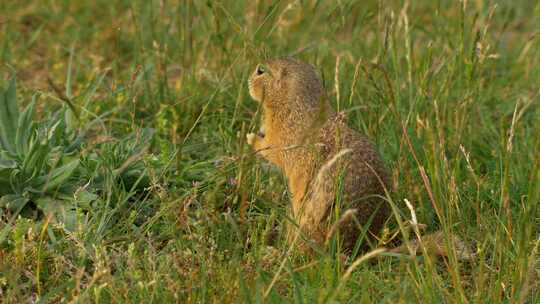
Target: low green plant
point(43, 166)
point(37, 159)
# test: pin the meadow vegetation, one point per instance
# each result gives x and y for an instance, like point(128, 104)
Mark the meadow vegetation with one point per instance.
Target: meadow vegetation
point(125, 176)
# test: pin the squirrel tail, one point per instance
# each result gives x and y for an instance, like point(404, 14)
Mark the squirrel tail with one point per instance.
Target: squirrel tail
point(435, 244)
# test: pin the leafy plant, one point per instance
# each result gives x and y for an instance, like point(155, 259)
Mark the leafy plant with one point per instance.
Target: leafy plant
point(38, 160)
point(43, 167)
point(123, 160)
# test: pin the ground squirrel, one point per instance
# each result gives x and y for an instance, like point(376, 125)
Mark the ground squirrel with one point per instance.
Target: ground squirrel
point(328, 165)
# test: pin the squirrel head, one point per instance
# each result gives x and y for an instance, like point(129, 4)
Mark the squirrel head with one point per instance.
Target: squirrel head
point(286, 83)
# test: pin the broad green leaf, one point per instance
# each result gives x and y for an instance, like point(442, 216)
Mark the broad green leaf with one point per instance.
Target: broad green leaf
point(5, 155)
point(58, 176)
point(61, 211)
point(48, 204)
point(35, 159)
point(5, 184)
point(6, 167)
point(84, 199)
point(13, 202)
point(25, 128)
point(9, 115)
point(75, 144)
point(7, 164)
point(70, 120)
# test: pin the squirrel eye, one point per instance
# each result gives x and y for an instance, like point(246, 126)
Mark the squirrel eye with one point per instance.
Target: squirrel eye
point(260, 70)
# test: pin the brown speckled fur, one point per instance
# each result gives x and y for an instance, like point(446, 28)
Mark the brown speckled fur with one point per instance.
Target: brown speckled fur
point(302, 134)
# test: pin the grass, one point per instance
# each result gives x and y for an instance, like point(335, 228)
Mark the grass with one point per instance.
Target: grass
point(448, 90)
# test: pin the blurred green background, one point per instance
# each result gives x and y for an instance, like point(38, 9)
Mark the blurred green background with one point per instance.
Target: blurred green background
point(141, 110)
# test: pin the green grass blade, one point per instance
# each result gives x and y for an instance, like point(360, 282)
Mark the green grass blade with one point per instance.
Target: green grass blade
point(9, 115)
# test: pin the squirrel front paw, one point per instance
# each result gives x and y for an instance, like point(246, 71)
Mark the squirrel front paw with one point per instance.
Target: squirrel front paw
point(250, 137)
